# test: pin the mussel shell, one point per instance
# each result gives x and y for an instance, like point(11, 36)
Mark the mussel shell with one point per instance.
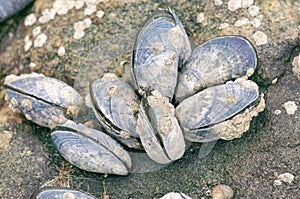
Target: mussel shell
point(214, 105)
point(159, 130)
point(90, 149)
point(9, 8)
point(159, 49)
point(59, 193)
point(43, 100)
point(215, 62)
point(116, 106)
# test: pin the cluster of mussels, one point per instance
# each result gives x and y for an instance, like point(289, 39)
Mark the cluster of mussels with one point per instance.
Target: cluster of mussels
point(180, 96)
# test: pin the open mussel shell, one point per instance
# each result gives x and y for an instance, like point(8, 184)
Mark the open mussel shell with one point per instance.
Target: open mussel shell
point(159, 49)
point(159, 130)
point(44, 100)
point(199, 114)
point(116, 106)
point(215, 62)
point(90, 149)
point(59, 193)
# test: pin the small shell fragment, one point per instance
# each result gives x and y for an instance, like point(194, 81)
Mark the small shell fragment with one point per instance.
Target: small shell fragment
point(43, 100)
point(260, 38)
point(59, 193)
point(90, 149)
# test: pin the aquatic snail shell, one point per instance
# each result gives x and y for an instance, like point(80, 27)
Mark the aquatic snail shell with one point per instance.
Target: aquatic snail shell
point(59, 193)
point(116, 106)
point(44, 100)
point(159, 49)
point(215, 62)
point(90, 149)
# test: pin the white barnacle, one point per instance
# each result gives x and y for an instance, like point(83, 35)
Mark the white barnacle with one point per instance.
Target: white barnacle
point(100, 14)
point(61, 51)
point(241, 22)
point(30, 20)
point(40, 40)
point(36, 31)
point(290, 107)
point(260, 38)
point(253, 10)
point(26, 104)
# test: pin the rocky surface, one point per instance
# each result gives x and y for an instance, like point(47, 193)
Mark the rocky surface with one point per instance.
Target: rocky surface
point(101, 42)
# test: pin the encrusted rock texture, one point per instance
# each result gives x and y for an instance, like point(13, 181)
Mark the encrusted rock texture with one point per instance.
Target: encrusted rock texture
point(78, 41)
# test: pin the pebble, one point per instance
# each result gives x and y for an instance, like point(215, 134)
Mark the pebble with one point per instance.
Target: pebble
point(241, 22)
point(296, 66)
point(218, 2)
point(286, 177)
point(260, 38)
point(222, 191)
point(277, 112)
point(30, 20)
point(40, 40)
point(290, 107)
point(253, 10)
point(36, 31)
point(200, 17)
point(61, 51)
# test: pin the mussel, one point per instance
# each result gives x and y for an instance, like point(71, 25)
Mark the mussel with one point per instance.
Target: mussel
point(90, 149)
point(159, 130)
point(116, 106)
point(46, 101)
point(159, 49)
point(59, 193)
point(215, 62)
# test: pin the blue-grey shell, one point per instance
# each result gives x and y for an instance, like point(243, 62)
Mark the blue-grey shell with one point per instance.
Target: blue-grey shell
point(43, 100)
point(212, 106)
point(159, 49)
point(116, 106)
point(90, 149)
point(59, 193)
point(159, 129)
point(10, 7)
point(215, 62)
